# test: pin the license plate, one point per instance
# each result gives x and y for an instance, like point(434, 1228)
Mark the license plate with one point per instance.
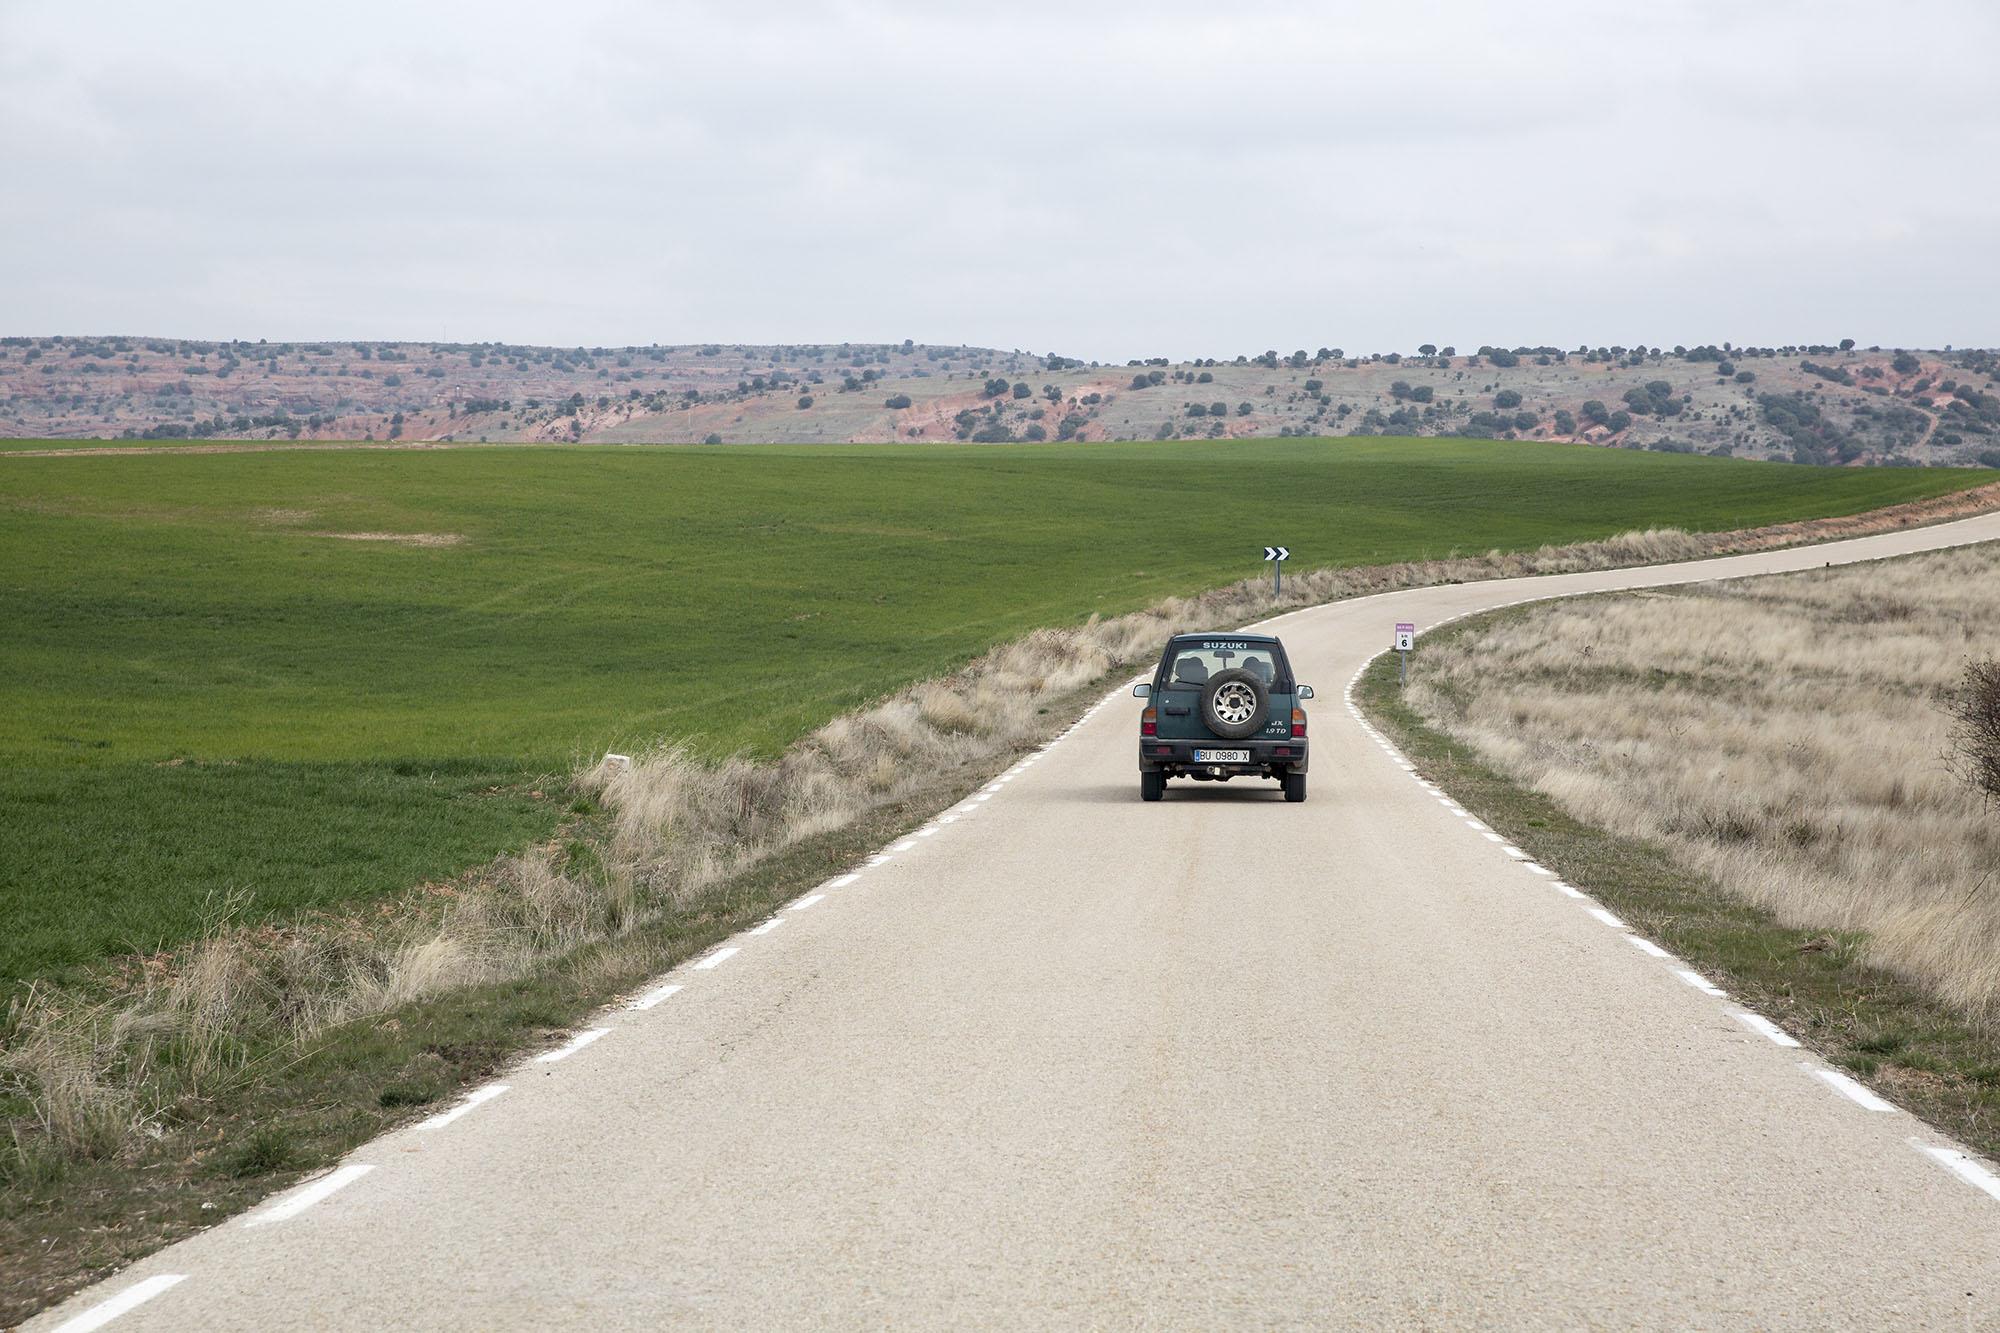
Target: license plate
point(1222, 756)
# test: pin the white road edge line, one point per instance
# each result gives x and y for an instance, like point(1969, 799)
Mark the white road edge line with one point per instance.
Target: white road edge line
point(1857, 1093)
point(807, 901)
point(655, 995)
point(1960, 1165)
point(1646, 946)
point(306, 1196)
point(574, 1044)
point(1570, 889)
point(717, 959)
point(1700, 982)
point(1606, 918)
point(476, 1097)
point(1764, 1027)
point(767, 927)
point(134, 1296)
point(843, 881)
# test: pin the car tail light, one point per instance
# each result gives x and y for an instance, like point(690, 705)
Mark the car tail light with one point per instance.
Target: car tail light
point(1298, 722)
point(1149, 722)
point(1281, 752)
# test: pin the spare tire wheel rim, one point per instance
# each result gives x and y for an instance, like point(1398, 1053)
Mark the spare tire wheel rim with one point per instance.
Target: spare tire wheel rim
point(1235, 703)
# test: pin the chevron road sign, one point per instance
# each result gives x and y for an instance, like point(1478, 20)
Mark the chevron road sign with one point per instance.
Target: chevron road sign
point(1277, 555)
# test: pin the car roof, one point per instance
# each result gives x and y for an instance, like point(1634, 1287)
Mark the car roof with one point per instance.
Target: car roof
point(1226, 634)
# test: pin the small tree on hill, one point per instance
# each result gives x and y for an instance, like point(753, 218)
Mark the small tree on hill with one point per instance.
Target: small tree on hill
point(1974, 708)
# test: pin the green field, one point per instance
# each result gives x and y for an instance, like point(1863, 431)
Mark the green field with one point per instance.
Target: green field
point(206, 692)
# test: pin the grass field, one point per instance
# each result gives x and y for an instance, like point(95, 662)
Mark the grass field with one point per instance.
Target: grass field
point(301, 679)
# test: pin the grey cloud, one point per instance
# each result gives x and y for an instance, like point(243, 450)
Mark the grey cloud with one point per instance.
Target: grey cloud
point(1107, 180)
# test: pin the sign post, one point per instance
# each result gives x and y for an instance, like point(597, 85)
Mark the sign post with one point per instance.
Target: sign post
point(1277, 555)
point(1406, 639)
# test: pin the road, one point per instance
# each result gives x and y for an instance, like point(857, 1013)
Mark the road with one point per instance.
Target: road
point(1069, 1059)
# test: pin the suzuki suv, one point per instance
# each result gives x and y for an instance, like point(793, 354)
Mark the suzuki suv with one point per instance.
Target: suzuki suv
point(1222, 706)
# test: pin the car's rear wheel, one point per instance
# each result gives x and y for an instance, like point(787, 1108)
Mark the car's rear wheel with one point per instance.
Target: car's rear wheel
point(1152, 786)
point(1294, 785)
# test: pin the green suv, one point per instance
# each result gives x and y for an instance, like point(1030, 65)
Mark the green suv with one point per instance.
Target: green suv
point(1222, 706)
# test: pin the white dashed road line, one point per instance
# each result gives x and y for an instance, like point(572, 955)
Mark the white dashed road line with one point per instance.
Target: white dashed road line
point(1606, 918)
point(574, 1044)
point(1764, 1027)
point(807, 901)
point(477, 1097)
point(1646, 946)
point(1854, 1092)
point(291, 1205)
point(655, 995)
point(134, 1296)
point(1960, 1165)
point(767, 927)
point(717, 959)
point(1700, 982)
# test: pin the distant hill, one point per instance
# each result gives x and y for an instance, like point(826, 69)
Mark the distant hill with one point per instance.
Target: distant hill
point(1821, 404)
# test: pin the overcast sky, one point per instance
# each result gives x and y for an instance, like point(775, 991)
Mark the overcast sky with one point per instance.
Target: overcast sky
point(1101, 180)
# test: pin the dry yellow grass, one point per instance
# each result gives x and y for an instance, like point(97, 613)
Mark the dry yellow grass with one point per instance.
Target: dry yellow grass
point(99, 1070)
point(1781, 735)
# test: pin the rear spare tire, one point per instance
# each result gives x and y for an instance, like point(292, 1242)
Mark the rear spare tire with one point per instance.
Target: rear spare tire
point(1234, 703)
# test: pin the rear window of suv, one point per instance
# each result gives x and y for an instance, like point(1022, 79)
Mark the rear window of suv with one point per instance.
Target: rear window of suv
point(1195, 664)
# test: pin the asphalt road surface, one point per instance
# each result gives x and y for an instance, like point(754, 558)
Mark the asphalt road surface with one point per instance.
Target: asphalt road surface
point(1064, 1058)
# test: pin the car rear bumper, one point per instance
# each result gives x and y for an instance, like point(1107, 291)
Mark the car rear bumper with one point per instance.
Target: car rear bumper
point(1287, 756)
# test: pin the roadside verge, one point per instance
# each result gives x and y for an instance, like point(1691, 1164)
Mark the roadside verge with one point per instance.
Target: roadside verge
point(1818, 985)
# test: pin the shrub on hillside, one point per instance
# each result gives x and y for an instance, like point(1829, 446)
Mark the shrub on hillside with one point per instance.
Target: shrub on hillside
point(1507, 398)
point(897, 401)
point(1974, 708)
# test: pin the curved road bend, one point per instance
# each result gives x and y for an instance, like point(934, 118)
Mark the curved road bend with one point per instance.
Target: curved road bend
point(1068, 1059)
